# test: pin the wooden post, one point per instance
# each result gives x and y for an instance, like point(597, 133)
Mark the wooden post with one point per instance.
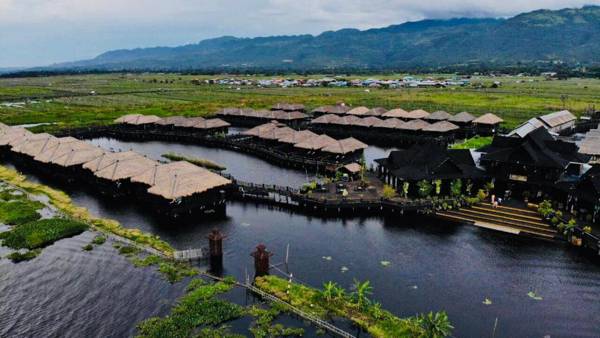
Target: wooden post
point(261, 260)
point(215, 245)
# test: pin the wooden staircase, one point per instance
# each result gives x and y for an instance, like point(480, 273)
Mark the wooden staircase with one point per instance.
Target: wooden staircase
point(519, 221)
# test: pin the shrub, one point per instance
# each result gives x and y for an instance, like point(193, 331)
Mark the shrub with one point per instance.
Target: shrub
point(587, 229)
point(456, 187)
point(388, 191)
point(41, 233)
point(481, 195)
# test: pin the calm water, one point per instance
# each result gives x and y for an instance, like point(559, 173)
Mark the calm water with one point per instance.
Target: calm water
point(434, 266)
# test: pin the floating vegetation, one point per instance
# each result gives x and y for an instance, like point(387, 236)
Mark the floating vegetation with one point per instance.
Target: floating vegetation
point(263, 327)
point(17, 256)
point(327, 258)
point(128, 250)
point(198, 308)
point(88, 247)
point(487, 301)
point(357, 308)
point(385, 263)
point(533, 295)
point(41, 233)
point(171, 270)
point(344, 269)
point(19, 211)
point(99, 240)
point(201, 162)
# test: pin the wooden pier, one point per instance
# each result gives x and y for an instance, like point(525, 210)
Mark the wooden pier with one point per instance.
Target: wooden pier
point(190, 254)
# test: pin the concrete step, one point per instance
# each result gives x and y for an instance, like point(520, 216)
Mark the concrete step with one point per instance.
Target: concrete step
point(536, 218)
point(515, 224)
point(521, 211)
point(494, 226)
point(504, 216)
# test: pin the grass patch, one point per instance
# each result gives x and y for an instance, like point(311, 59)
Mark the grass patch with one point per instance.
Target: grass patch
point(62, 202)
point(263, 327)
point(19, 211)
point(198, 308)
point(369, 316)
point(473, 143)
point(201, 162)
point(172, 271)
point(41, 233)
point(17, 257)
point(128, 250)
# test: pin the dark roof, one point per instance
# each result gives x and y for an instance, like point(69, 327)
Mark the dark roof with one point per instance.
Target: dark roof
point(431, 161)
point(537, 148)
point(588, 187)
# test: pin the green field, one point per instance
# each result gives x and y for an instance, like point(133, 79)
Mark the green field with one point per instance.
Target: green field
point(67, 100)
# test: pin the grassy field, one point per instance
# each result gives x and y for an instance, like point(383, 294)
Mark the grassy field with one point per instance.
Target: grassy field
point(68, 100)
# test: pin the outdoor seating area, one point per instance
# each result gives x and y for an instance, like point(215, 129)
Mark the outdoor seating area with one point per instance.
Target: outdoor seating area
point(176, 187)
point(196, 125)
point(291, 114)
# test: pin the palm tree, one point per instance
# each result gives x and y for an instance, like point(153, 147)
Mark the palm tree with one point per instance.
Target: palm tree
point(437, 325)
point(361, 292)
point(328, 290)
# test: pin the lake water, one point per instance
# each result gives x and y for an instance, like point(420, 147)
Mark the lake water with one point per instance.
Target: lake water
point(434, 265)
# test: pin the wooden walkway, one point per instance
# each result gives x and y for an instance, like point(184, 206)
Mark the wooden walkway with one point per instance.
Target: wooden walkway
point(311, 318)
point(190, 254)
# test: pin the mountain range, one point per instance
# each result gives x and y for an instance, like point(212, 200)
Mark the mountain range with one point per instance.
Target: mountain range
point(568, 35)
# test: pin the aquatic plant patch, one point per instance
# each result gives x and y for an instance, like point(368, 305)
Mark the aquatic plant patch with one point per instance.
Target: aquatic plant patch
point(19, 211)
point(17, 256)
point(41, 233)
point(198, 308)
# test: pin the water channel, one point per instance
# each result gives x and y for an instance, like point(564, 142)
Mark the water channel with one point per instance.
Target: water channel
point(433, 265)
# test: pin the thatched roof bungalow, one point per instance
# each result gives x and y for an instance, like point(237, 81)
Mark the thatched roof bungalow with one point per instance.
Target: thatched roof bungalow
point(13, 136)
point(117, 166)
point(336, 109)
point(315, 143)
point(53, 146)
point(462, 119)
point(275, 134)
point(377, 111)
point(326, 119)
point(398, 113)
point(358, 111)
point(345, 146)
point(441, 127)
point(289, 107)
point(416, 114)
point(439, 115)
point(262, 129)
point(414, 125)
point(297, 137)
point(33, 145)
point(487, 124)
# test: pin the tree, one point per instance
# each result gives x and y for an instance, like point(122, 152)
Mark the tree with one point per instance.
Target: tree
point(456, 187)
point(328, 290)
point(388, 191)
point(361, 292)
point(424, 188)
point(436, 325)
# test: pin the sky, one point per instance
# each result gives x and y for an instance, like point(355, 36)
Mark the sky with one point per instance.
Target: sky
point(42, 32)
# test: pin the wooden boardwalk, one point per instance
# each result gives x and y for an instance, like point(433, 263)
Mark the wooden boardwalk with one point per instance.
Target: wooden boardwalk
point(311, 318)
point(190, 254)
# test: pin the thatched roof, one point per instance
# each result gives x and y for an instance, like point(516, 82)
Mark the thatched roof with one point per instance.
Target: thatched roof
point(4, 126)
point(33, 145)
point(138, 119)
point(216, 123)
point(353, 167)
point(489, 119)
point(297, 137)
point(358, 122)
point(258, 131)
point(348, 120)
point(414, 125)
point(315, 143)
point(392, 123)
point(117, 166)
point(439, 115)
point(290, 115)
point(14, 136)
point(371, 121)
point(397, 113)
point(277, 133)
point(177, 180)
point(325, 119)
point(127, 118)
point(171, 120)
point(76, 153)
point(462, 117)
point(417, 114)
point(229, 111)
point(358, 111)
point(337, 109)
point(288, 107)
point(345, 146)
point(189, 122)
point(53, 146)
point(441, 127)
point(377, 111)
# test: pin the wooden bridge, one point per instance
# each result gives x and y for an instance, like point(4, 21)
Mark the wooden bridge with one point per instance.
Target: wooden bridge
point(307, 316)
point(190, 254)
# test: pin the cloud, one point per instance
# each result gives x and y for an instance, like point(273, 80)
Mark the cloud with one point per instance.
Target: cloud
point(38, 32)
